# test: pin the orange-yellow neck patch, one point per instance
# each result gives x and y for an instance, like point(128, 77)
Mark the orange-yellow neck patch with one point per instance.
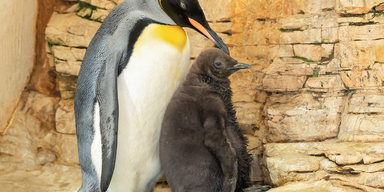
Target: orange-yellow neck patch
point(166, 34)
point(172, 34)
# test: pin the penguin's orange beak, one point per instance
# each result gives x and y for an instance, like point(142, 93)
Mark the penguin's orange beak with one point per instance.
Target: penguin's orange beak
point(201, 29)
point(210, 34)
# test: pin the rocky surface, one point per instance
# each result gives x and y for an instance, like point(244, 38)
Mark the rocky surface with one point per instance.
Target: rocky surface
point(65, 117)
point(356, 165)
point(311, 105)
point(315, 119)
point(17, 52)
point(51, 177)
point(314, 186)
point(363, 119)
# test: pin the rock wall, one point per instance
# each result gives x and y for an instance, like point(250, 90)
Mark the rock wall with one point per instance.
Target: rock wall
point(31, 140)
point(311, 105)
point(17, 49)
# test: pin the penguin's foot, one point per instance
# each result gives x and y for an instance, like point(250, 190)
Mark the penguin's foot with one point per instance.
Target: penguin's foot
point(258, 188)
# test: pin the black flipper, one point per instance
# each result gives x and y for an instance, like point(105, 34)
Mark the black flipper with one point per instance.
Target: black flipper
point(216, 139)
point(106, 95)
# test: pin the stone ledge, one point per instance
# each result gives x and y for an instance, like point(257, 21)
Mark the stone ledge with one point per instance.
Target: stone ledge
point(355, 6)
point(353, 164)
point(104, 4)
point(70, 30)
point(303, 117)
point(363, 118)
point(319, 186)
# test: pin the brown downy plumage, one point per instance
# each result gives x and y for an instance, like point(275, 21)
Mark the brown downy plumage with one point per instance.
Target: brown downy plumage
point(202, 147)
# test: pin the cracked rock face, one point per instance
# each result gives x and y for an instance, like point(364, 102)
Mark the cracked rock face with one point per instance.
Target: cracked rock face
point(314, 119)
point(363, 119)
point(355, 166)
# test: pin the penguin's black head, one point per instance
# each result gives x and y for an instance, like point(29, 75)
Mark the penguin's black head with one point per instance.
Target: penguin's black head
point(188, 13)
point(216, 64)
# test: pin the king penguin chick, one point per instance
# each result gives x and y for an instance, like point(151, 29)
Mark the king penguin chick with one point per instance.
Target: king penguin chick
point(202, 147)
point(131, 68)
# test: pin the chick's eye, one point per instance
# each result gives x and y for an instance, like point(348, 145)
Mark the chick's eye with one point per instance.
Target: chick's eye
point(183, 6)
point(218, 64)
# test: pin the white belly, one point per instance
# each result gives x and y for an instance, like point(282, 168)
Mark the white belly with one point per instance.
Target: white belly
point(145, 87)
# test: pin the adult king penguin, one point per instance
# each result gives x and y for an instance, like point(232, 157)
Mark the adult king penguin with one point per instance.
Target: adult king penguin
point(129, 73)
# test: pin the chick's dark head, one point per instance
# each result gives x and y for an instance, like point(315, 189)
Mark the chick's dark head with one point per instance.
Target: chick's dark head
point(216, 64)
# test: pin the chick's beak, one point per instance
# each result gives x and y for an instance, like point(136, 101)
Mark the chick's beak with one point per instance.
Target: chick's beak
point(239, 66)
point(210, 34)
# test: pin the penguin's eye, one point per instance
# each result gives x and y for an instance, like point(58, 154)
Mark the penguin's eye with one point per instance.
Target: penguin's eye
point(183, 6)
point(218, 64)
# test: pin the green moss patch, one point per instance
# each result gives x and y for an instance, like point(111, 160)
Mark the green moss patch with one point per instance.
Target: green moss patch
point(305, 59)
